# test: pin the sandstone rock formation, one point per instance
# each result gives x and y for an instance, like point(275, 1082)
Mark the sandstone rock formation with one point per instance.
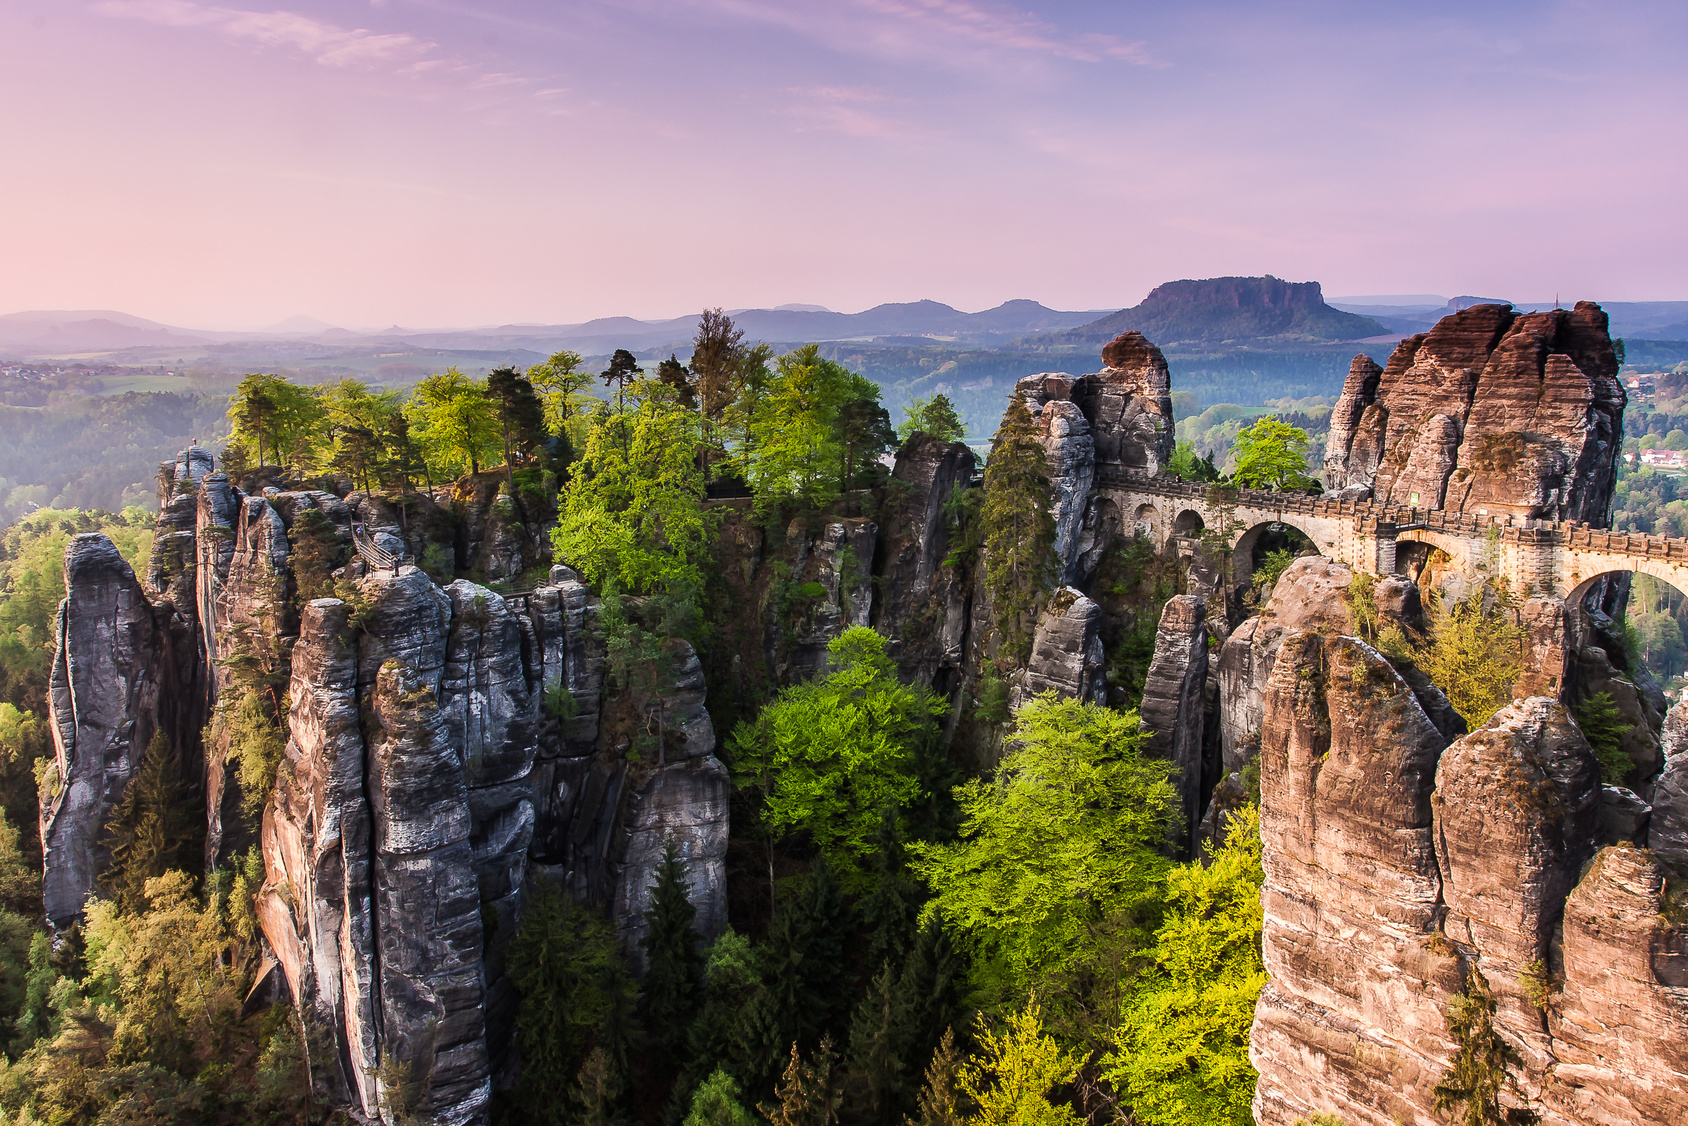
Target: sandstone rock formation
point(1174, 708)
point(102, 699)
point(1385, 890)
point(1490, 411)
point(1066, 652)
point(922, 607)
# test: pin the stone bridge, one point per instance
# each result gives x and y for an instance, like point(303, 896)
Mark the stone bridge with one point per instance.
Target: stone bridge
point(1533, 557)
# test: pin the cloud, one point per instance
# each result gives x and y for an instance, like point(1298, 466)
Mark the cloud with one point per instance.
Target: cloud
point(996, 27)
point(953, 30)
point(844, 109)
point(325, 42)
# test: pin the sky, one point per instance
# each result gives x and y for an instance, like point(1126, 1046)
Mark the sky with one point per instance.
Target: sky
point(432, 163)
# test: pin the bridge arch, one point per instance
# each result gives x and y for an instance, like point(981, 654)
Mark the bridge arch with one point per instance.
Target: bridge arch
point(1262, 538)
point(1673, 573)
point(1146, 522)
point(1189, 522)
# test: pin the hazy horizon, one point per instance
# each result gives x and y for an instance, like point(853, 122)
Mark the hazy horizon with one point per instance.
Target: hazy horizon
point(432, 164)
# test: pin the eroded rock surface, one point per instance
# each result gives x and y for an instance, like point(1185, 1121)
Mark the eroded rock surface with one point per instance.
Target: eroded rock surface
point(101, 701)
point(1492, 411)
point(1066, 652)
point(1174, 707)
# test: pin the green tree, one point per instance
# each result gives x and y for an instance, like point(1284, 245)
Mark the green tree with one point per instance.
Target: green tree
point(278, 418)
point(805, 984)
point(806, 429)
point(1191, 466)
point(622, 373)
point(150, 830)
point(864, 435)
point(935, 416)
point(1604, 727)
point(563, 961)
point(1471, 1089)
point(560, 381)
point(454, 424)
point(1181, 1053)
point(875, 1080)
point(1019, 529)
point(674, 375)
point(717, 1103)
point(1065, 834)
point(1015, 1072)
point(521, 416)
point(891, 911)
point(633, 511)
point(1271, 454)
point(1473, 654)
point(359, 422)
point(674, 977)
point(831, 755)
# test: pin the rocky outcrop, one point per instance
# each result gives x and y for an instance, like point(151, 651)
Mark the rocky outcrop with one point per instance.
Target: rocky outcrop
point(1115, 420)
point(1129, 405)
point(687, 802)
point(101, 701)
point(1491, 411)
point(1174, 708)
point(1070, 451)
point(1668, 829)
point(1348, 760)
point(1066, 654)
point(922, 605)
point(833, 580)
point(1384, 896)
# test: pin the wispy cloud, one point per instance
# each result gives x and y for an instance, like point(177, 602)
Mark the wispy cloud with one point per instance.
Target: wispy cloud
point(327, 43)
point(850, 110)
point(997, 27)
point(956, 30)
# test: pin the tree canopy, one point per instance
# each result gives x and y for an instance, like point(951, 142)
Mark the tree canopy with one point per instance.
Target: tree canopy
point(1272, 454)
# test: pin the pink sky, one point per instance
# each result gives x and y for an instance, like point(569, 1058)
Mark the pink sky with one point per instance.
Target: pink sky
point(436, 163)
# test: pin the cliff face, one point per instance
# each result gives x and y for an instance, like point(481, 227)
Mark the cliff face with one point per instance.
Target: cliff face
point(1397, 869)
point(1216, 309)
point(1490, 411)
point(102, 702)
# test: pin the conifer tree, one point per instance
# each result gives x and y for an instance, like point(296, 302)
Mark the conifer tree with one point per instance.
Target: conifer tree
point(930, 985)
point(621, 374)
point(935, 416)
point(808, 1093)
point(716, 352)
point(878, 1053)
point(716, 1103)
point(521, 415)
point(151, 828)
point(673, 981)
point(940, 1097)
point(890, 908)
point(597, 1091)
point(675, 375)
point(1019, 530)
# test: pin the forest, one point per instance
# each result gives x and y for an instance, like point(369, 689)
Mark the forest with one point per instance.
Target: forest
point(917, 937)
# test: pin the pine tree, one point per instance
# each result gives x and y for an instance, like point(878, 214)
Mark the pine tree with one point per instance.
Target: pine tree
point(930, 985)
point(808, 1094)
point(151, 829)
point(826, 975)
point(940, 1098)
point(673, 981)
point(1019, 529)
point(716, 1103)
point(1471, 1089)
point(889, 910)
point(521, 415)
point(597, 1091)
point(621, 373)
point(877, 1053)
point(678, 377)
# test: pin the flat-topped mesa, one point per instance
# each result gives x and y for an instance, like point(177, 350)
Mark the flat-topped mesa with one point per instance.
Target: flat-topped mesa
point(1491, 412)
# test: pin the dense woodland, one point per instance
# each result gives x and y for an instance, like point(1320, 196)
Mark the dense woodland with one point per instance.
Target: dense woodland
point(929, 941)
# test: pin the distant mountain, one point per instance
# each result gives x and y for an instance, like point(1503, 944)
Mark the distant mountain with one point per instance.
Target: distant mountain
point(91, 330)
point(1219, 310)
